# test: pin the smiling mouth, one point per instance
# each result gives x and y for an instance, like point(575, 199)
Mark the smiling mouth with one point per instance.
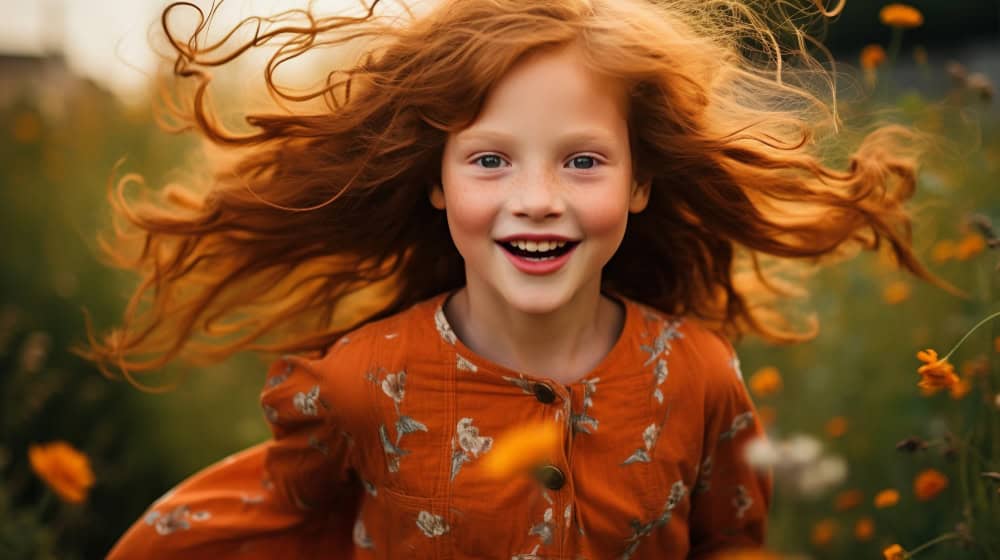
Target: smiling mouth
point(538, 255)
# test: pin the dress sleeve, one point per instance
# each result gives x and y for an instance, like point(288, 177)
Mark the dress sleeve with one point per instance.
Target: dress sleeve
point(291, 497)
point(730, 501)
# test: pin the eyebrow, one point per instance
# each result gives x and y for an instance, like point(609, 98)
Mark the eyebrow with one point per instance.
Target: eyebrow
point(588, 135)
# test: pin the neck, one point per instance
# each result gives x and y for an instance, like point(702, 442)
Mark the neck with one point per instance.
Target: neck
point(563, 345)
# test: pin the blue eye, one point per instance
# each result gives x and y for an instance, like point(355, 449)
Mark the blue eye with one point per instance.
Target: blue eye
point(585, 160)
point(492, 158)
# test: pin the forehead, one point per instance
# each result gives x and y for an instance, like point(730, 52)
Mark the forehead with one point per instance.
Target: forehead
point(553, 88)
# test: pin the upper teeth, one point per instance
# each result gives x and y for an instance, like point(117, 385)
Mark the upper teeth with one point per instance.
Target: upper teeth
point(537, 245)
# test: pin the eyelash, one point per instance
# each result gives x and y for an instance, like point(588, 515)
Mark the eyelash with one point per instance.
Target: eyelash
point(596, 161)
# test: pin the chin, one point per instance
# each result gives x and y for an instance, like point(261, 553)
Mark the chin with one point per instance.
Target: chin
point(539, 300)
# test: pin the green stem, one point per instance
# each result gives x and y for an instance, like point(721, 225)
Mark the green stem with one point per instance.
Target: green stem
point(932, 542)
point(981, 323)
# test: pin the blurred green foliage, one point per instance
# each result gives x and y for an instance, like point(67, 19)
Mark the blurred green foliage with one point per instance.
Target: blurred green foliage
point(862, 367)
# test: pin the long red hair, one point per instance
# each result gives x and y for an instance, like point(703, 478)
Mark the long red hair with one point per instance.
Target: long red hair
point(324, 223)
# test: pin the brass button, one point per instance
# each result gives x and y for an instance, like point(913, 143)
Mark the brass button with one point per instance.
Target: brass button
point(551, 477)
point(544, 393)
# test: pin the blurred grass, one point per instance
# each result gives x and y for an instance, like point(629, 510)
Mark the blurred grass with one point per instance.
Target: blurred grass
point(862, 367)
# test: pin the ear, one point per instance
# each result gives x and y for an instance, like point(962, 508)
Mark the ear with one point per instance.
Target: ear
point(639, 197)
point(436, 194)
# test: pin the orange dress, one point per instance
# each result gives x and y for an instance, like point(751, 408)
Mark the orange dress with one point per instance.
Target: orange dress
point(376, 446)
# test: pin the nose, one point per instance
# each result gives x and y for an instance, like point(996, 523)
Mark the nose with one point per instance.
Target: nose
point(538, 196)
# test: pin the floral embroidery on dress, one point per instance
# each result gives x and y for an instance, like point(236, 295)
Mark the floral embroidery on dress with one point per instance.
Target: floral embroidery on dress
point(735, 363)
point(369, 487)
point(465, 365)
point(640, 530)
point(740, 423)
point(641, 455)
point(704, 483)
point(533, 555)
point(443, 328)
point(431, 525)
point(544, 529)
point(394, 386)
point(661, 345)
point(742, 501)
point(467, 445)
point(392, 452)
point(583, 422)
point(178, 519)
point(361, 538)
point(318, 445)
point(567, 513)
point(305, 403)
point(659, 350)
point(521, 382)
point(251, 500)
point(270, 413)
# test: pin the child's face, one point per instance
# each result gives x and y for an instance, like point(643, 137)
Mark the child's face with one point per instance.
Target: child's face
point(549, 155)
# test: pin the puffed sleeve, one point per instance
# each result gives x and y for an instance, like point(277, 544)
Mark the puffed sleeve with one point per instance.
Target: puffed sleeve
point(730, 501)
point(293, 496)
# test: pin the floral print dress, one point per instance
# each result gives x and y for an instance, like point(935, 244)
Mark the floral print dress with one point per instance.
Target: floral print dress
point(376, 450)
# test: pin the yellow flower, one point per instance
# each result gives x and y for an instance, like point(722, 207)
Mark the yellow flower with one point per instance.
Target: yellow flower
point(894, 552)
point(896, 292)
point(823, 532)
point(521, 448)
point(886, 498)
point(969, 246)
point(849, 499)
point(864, 529)
point(936, 374)
point(960, 389)
point(872, 56)
point(765, 381)
point(943, 250)
point(900, 15)
point(63, 468)
point(928, 484)
point(836, 427)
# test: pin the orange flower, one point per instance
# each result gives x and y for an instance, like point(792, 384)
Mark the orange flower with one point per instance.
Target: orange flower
point(896, 292)
point(872, 56)
point(969, 246)
point(894, 552)
point(765, 381)
point(823, 532)
point(886, 498)
point(849, 499)
point(522, 448)
point(960, 389)
point(747, 554)
point(920, 55)
point(943, 250)
point(836, 427)
point(63, 468)
point(980, 365)
point(900, 15)
point(929, 484)
point(935, 374)
point(864, 529)
point(996, 344)
point(767, 415)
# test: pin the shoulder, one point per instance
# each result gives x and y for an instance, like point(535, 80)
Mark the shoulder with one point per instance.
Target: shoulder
point(708, 357)
point(339, 378)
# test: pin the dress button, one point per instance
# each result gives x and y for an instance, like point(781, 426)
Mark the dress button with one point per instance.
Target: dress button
point(551, 477)
point(544, 393)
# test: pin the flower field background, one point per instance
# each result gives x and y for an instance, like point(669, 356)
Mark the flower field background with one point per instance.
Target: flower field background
point(879, 446)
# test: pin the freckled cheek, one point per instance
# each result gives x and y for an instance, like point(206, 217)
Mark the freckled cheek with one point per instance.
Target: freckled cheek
point(470, 220)
point(604, 220)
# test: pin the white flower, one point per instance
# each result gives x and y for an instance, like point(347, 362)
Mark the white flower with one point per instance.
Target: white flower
point(800, 450)
point(306, 402)
point(761, 453)
point(431, 525)
point(394, 386)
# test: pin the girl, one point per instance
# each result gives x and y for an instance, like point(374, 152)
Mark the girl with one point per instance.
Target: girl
point(511, 211)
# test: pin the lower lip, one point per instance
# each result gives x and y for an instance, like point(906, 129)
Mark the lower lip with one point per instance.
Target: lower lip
point(529, 266)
